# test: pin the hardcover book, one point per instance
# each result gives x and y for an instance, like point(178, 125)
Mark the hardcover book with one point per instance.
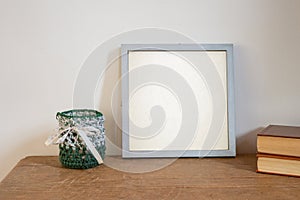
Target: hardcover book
point(279, 140)
point(275, 164)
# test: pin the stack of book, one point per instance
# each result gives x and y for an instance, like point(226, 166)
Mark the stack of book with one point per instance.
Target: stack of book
point(278, 150)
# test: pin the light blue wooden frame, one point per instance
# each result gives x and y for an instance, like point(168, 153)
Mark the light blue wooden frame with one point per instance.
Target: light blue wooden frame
point(230, 152)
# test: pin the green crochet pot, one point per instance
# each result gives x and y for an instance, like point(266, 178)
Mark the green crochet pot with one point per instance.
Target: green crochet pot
point(73, 152)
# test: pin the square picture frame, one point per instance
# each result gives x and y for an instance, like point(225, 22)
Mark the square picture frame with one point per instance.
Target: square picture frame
point(177, 100)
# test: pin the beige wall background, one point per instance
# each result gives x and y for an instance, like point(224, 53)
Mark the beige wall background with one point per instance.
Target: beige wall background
point(43, 45)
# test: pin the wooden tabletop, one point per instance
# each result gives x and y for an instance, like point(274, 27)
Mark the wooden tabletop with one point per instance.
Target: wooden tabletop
point(42, 177)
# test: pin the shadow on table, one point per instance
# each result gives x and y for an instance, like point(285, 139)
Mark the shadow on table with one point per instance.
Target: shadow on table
point(245, 152)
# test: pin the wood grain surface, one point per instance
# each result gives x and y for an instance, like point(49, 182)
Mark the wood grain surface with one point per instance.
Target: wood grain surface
point(42, 177)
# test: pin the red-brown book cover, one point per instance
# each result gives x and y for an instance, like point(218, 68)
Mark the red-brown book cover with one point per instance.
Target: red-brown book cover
point(281, 131)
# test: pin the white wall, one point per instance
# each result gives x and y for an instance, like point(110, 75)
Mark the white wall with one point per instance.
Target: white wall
point(43, 45)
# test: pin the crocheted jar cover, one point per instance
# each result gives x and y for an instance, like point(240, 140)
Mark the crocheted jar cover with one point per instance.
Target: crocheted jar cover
point(73, 152)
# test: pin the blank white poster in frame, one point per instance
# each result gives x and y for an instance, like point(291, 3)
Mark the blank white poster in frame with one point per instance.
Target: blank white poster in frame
point(177, 100)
